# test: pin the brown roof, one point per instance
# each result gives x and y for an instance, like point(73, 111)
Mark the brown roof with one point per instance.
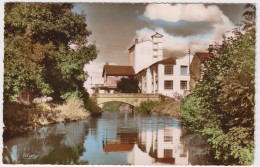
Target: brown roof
point(118, 70)
point(169, 60)
point(203, 56)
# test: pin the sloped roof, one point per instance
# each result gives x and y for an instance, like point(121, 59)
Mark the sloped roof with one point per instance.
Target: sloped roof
point(157, 34)
point(169, 60)
point(203, 56)
point(118, 70)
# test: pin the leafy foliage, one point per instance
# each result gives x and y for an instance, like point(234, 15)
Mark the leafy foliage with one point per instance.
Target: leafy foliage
point(111, 106)
point(222, 105)
point(92, 107)
point(147, 106)
point(45, 49)
point(128, 85)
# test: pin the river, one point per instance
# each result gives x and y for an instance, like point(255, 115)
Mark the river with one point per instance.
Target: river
point(115, 138)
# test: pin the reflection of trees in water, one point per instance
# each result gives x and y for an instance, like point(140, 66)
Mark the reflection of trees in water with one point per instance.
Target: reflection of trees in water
point(198, 149)
point(92, 127)
point(64, 155)
point(59, 141)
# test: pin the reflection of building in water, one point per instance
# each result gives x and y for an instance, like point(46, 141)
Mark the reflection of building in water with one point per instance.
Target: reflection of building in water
point(148, 145)
point(164, 146)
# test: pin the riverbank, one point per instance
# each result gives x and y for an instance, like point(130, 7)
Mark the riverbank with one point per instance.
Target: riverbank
point(169, 107)
point(19, 118)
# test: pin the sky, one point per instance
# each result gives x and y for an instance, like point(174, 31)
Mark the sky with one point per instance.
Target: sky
point(115, 26)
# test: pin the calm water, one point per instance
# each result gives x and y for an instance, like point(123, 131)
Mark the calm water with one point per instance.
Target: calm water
point(115, 138)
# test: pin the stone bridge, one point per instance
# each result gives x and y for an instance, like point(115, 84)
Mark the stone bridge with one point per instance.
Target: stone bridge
point(134, 99)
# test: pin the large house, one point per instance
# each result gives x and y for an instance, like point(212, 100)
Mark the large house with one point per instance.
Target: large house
point(112, 74)
point(169, 77)
point(157, 75)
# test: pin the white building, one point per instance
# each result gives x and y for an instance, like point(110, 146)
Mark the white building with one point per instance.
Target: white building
point(143, 54)
point(168, 76)
point(157, 75)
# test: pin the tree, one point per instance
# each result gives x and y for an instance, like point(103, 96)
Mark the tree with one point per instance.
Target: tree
point(222, 106)
point(45, 49)
point(128, 85)
point(250, 16)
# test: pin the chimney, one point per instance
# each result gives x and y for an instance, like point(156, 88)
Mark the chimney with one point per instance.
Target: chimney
point(210, 48)
point(136, 40)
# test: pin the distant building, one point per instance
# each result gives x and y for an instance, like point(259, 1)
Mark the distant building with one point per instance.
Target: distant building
point(168, 77)
point(197, 68)
point(157, 75)
point(113, 74)
point(143, 54)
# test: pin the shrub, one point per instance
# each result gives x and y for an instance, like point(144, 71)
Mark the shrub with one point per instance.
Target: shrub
point(92, 107)
point(111, 106)
point(128, 85)
point(147, 106)
point(222, 105)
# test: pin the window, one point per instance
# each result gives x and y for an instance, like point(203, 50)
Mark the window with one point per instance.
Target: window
point(168, 69)
point(184, 85)
point(167, 139)
point(167, 153)
point(184, 70)
point(168, 84)
point(168, 135)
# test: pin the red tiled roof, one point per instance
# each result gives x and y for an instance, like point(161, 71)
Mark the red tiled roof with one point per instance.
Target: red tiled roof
point(118, 70)
point(203, 56)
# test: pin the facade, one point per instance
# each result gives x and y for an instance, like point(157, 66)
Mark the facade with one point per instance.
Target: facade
point(143, 54)
point(168, 77)
point(197, 67)
point(113, 74)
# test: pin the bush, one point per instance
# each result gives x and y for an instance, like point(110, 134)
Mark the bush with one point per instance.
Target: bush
point(92, 107)
point(222, 105)
point(128, 85)
point(169, 107)
point(147, 106)
point(111, 106)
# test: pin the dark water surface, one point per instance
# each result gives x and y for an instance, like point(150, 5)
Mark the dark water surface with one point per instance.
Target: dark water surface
point(115, 138)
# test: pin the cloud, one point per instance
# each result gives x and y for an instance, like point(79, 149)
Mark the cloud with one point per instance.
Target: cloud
point(187, 18)
point(176, 45)
point(191, 12)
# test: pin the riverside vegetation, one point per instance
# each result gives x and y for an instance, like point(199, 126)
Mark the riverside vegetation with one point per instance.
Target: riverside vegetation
point(169, 107)
point(45, 50)
point(221, 108)
point(19, 118)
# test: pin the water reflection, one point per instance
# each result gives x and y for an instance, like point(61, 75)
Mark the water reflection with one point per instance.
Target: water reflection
point(138, 139)
point(55, 144)
point(116, 138)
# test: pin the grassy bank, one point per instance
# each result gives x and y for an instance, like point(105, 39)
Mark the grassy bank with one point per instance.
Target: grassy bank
point(169, 107)
point(18, 118)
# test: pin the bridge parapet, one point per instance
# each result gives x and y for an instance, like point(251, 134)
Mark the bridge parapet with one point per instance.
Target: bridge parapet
point(133, 99)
